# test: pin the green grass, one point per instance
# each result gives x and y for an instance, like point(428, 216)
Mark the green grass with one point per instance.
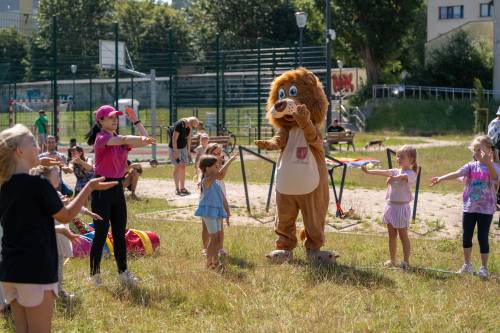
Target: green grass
point(434, 162)
point(178, 295)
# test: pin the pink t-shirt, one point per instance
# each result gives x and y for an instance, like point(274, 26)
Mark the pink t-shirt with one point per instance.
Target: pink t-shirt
point(110, 161)
point(401, 191)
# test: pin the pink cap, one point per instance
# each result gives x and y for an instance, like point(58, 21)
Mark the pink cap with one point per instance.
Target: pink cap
point(106, 111)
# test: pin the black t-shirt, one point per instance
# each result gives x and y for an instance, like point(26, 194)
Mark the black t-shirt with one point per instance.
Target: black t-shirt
point(334, 129)
point(184, 131)
point(29, 249)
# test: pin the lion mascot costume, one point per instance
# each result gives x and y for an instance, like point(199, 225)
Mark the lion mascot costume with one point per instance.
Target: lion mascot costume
point(297, 107)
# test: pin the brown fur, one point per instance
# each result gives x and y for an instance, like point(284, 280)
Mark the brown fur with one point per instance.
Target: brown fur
point(309, 92)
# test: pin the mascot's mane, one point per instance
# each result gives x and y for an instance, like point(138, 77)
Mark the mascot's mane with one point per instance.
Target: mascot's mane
point(309, 92)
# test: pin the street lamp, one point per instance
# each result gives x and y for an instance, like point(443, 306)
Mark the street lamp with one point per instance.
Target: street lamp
point(73, 70)
point(340, 65)
point(301, 19)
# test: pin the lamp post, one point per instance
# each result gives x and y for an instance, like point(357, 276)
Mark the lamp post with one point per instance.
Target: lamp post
point(301, 19)
point(340, 64)
point(73, 70)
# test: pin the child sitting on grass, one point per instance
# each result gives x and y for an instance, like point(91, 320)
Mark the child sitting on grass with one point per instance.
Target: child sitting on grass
point(213, 207)
point(481, 178)
point(397, 210)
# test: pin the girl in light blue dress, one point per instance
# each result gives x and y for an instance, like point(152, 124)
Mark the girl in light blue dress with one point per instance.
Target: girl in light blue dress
point(212, 209)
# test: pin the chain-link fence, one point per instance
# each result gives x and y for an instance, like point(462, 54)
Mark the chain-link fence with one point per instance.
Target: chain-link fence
point(225, 88)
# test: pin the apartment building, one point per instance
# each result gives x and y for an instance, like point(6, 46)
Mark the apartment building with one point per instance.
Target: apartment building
point(445, 17)
point(19, 14)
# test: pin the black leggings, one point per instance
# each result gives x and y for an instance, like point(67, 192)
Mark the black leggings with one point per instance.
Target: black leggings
point(483, 229)
point(112, 207)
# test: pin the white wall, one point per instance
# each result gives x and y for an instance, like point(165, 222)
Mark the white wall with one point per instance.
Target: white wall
point(436, 26)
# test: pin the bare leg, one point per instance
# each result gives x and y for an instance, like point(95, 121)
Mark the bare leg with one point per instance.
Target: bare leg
point(135, 180)
point(213, 248)
point(393, 242)
point(467, 255)
point(20, 318)
point(40, 317)
point(182, 175)
point(405, 241)
point(484, 259)
point(176, 176)
point(204, 235)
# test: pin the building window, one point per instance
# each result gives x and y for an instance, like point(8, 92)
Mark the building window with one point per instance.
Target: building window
point(485, 10)
point(451, 12)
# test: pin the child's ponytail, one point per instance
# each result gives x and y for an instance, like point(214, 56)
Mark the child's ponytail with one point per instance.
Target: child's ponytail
point(92, 134)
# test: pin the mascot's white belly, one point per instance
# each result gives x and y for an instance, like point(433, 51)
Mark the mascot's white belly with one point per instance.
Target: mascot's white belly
point(297, 172)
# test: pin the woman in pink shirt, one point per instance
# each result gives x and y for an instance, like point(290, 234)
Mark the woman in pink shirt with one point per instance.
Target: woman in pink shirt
point(397, 210)
point(111, 153)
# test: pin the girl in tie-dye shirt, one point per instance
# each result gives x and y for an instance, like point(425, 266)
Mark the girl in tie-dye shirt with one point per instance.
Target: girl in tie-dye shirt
point(481, 179)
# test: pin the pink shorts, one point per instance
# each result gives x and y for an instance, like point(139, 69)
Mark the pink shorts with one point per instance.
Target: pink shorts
point(27, 294)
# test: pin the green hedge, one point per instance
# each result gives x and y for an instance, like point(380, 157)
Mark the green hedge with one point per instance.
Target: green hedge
point(424, 117)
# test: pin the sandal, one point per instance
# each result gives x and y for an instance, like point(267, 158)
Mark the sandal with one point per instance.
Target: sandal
point(178, 192)
point(183, 191)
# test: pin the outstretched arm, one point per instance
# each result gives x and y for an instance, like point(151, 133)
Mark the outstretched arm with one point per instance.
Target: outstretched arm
point(448, 176)
point(385, 173)
point(131, 140)
point(277, 142)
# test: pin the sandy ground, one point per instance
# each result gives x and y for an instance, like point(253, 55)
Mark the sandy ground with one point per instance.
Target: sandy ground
point(438, 215)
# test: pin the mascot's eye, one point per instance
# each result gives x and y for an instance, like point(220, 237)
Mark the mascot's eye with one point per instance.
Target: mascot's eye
point(281, 93)
point(292, 91)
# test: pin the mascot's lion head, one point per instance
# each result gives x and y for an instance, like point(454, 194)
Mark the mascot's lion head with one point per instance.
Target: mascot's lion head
point(292, 88)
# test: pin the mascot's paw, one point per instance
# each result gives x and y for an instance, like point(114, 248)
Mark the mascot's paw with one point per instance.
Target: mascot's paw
point(301, 114)
point(279, 256)
point(321, 257)
point(263, 144)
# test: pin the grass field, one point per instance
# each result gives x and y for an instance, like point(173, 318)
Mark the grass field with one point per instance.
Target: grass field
point(178, 295)
point(434, 162)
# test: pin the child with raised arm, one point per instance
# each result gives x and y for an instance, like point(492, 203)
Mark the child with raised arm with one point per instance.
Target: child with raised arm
point(28, 269)
point(481, 179)
point(397, 211)
point(213, 207)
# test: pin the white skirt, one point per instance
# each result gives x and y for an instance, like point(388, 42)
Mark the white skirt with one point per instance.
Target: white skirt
point(397, 214)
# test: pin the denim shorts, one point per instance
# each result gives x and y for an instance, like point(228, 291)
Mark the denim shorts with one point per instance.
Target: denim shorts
point(182, 155)
point(214, 224)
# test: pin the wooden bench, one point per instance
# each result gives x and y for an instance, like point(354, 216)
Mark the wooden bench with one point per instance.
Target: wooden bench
point(340, 138)
point(224, 141)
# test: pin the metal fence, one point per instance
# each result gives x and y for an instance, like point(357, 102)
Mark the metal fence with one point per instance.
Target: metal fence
point(223, 87)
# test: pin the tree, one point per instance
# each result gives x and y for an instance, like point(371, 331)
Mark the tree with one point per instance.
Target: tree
point(458, 62)
point(239, 23)
point(13, 49)
point(374, 29)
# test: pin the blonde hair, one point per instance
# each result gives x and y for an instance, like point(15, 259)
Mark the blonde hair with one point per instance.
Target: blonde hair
point(483, 140)
point(10, 140)
point(411, 153)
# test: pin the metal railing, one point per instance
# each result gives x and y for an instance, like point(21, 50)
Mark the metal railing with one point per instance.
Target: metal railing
point(401, 91)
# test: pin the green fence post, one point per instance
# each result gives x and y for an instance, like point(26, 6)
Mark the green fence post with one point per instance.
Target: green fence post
point(170, 79)
point(116, 69)
point(259, 116)
point(217, 78)
point(223, 92)
point(55, 115)
point(296, 54)
point(15, 98)
point(90, 100)
point(132, 94)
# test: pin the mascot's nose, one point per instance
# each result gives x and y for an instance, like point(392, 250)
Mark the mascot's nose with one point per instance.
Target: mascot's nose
point(280, 106)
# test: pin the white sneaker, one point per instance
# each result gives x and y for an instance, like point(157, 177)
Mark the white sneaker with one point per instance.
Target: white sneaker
point(483, 272)
point(129, 278)
point(466, 269)
point(96, 280)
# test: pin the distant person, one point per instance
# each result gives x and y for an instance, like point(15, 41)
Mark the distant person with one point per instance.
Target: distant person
point(180, 151)
point(131, 178)
point(335, 127)
point(83, 167)
point(63, 163)
point(42, 130)
point(494, 130)
point(200, 150)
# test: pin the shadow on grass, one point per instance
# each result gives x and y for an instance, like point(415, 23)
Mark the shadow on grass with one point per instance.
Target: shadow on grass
point(142, 296)
point(241, 263)
point(433, 273)
point(343, 274)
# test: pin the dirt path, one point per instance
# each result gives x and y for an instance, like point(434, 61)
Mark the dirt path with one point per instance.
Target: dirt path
point(438, 215)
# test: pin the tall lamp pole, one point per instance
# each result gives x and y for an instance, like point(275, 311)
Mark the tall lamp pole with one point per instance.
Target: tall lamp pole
point(301, 19)
point(340, 64)
point(73, 70)
point(329, 36)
